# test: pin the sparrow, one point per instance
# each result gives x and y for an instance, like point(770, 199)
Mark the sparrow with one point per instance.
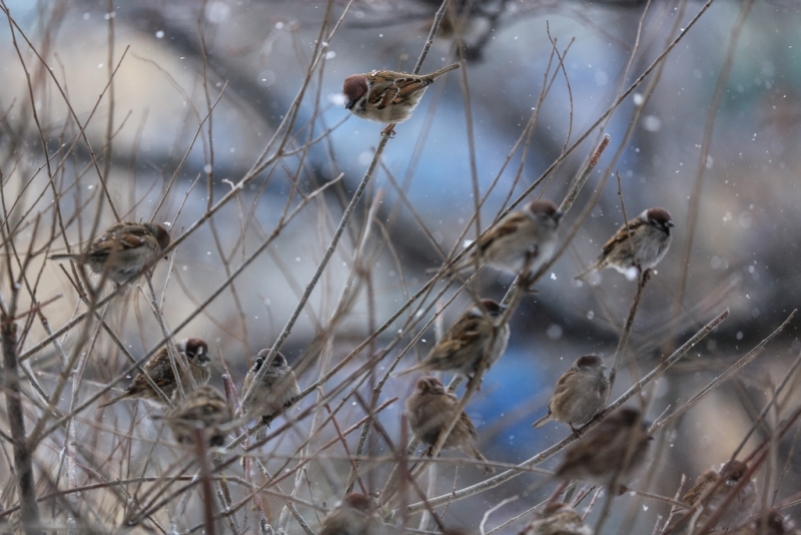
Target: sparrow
point(581, 393)
point(387, 96)
point(159, 369)
point(615, 450)
point(352, 516)
point(557, 518)
point(523, 238)
point(712, 488)
point(124, 250)
point(204, 408)
point(278, 389)
point(474, 336)
point(430, 408)
point(650, 239)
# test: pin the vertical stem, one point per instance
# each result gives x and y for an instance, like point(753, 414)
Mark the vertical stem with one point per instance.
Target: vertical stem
point(29, 509)
point(206, 492)
point(624, 337)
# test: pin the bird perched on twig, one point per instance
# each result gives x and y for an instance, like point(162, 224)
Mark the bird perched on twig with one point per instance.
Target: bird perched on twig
point(557, 518)
point(612, 452)
point(159, 369)
point(523, 240)
point(204, 409)
point(581, 393)
point(124, 250)
point(712, 489)
point(277, 391)
point(476, 335)
point(430, 408)
point(639, 244)
point(354, 515)
point(387, 96)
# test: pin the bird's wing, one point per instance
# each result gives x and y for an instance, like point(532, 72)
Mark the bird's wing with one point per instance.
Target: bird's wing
point(622, 235)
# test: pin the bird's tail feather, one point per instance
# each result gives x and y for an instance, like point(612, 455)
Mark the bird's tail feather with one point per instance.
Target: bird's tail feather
point(417, 367)
point(443, 70)
point(542, 421)
point(592, 267)
point(113, 400)
point(477, 455)
point(63, 256)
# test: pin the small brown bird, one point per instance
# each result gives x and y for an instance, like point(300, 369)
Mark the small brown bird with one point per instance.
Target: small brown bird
point(278, 389)
point(159, 369)
point(354, 515)
point(387, 96)
point(124, 250)
point(650, 239)
point(580, 393)
point(614, 451)
point(430, 408)
point(523, 238)
point(557, 518)
point(205, 409)
point(711, 495)
point(474, 336)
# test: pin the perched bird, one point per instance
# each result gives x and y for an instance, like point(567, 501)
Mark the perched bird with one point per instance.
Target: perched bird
point(614, 451)
point(430, 408)
point(557, 518)
point(523, 238)
point(387, 96)
point(474, 336)
point(159, 369)
point(641, 244)
point(352, 516)
point(124, 250)
point(278, 389)
point(712, 488)
point(205, 409)
point(581, 393)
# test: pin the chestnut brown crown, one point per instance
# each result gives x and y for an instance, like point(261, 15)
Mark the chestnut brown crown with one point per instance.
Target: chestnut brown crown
point(733, 470)
point(589, 362)
point(358, 501)
point(660, 218)
point(544, 207)
point(160, 233)
point(278, 362)
point(494, 309)
point(430, 385)
point(196, 349)
point(354, 88)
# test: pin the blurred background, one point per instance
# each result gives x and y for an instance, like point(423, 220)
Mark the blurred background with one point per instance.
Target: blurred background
point(714, 132)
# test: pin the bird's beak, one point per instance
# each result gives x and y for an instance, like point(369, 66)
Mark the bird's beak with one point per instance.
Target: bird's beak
point(558, 215)
point(670, 224)
point(349, 104)
point(204, 357)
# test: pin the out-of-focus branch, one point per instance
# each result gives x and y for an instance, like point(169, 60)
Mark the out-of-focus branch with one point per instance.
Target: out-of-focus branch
point(29, 509)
